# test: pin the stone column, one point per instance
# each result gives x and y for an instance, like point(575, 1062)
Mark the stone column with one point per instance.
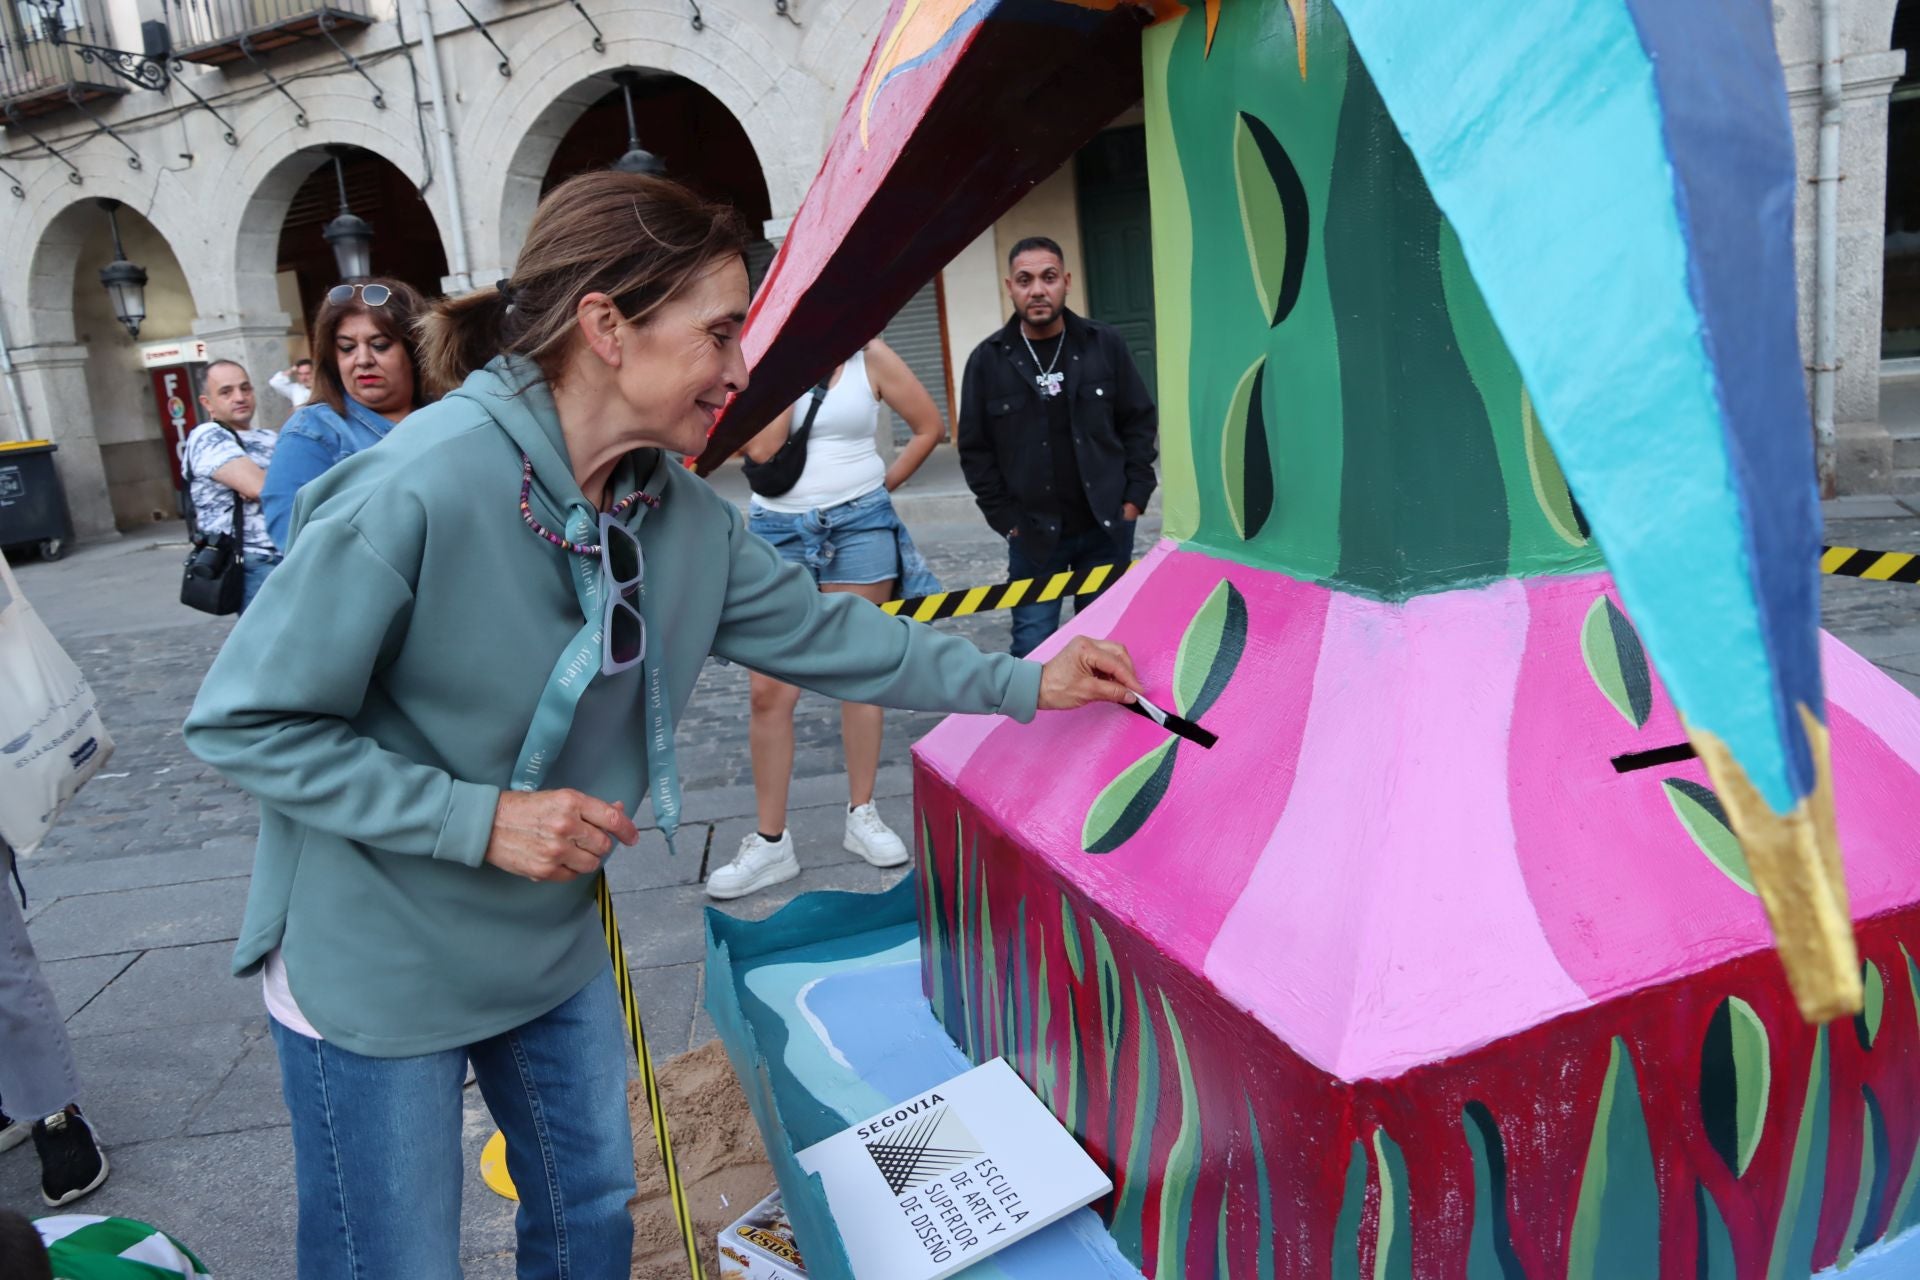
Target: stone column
point(258, 341)
point(1863, 446)
point(53, 380)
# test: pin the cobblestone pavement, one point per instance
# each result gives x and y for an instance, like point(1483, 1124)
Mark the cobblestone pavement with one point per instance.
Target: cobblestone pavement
point(137, 895)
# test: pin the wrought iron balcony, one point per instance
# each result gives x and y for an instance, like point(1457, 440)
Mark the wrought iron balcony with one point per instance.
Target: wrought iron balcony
point(215, 32)
point(55, 56)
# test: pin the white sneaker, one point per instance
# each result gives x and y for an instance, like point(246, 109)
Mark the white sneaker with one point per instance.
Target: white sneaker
point(758, 864)
point(13, 1132)
point(873, 839)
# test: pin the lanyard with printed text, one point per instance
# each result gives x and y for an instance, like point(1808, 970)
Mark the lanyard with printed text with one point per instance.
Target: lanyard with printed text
point(578, 665)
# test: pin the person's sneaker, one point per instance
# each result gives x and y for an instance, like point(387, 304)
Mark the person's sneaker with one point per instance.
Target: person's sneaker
point(873, 839)
point(71, 1161)
point(12, 1132)
point(758, 864)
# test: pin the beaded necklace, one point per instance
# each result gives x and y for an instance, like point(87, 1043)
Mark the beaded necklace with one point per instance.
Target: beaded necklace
point(578, 548)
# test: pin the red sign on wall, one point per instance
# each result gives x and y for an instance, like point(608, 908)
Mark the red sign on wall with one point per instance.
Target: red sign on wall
point(176, 392)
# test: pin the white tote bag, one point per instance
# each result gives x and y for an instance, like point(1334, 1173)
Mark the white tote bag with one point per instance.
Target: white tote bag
point(51, 738)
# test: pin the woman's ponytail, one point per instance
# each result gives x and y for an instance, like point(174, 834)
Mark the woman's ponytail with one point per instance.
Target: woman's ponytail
point(460, 334)
point(636, 238)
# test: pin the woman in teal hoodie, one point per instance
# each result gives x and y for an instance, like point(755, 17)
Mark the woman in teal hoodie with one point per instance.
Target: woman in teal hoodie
point(452, 696)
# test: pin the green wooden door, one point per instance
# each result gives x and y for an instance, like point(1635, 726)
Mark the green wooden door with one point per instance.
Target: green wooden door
point(1116, 238)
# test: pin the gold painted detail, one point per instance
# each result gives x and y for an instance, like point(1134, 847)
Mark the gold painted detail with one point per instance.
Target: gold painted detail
point(1794, 859)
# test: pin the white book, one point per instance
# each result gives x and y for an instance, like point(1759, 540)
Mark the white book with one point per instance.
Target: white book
point(951, 1176)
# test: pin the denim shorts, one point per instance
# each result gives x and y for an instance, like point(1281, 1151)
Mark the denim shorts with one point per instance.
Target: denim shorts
point(850, 544)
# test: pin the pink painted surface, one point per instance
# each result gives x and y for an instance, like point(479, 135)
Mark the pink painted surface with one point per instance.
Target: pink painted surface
point(1388, 921)
point(1411, 840)
point(1627, 898)
point(951, 743)
point(1181, 873)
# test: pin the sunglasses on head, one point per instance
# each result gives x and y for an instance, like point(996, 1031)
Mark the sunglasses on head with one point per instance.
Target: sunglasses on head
point(622, 569)
point(374, 295)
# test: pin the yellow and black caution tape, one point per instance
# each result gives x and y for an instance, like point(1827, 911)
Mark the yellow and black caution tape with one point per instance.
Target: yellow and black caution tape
point(1005, 595)
point(629, 1005)
point(1879, 566)
point(493, 1159)
point(1849, 562)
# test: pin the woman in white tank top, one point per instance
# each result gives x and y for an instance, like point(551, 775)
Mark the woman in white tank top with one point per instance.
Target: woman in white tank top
point(838, 523)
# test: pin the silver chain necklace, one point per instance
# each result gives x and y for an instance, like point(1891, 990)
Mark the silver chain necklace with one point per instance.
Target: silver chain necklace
point(1047, 380)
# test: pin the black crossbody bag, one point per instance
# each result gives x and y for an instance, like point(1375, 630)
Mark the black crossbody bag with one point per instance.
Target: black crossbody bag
point(782, 471)
point(214, 579)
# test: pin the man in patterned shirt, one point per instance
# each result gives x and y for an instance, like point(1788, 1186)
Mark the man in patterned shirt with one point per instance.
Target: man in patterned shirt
point(227, 463)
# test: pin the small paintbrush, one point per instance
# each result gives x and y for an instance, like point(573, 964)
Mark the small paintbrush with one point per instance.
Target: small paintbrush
point(1179, 725)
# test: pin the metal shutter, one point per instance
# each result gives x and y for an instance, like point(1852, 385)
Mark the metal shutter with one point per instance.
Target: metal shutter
point(759, 258)
point(915, 334)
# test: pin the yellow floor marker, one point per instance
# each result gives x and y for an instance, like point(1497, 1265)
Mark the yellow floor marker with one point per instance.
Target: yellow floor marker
point(493, 1167)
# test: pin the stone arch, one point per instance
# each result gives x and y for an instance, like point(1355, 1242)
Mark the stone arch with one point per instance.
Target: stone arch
point(37, 285)
point(270, 175)
point(779, 111)
point(82, 371)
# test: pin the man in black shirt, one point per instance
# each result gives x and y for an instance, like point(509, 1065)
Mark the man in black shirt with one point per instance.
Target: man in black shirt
point(1057, 435)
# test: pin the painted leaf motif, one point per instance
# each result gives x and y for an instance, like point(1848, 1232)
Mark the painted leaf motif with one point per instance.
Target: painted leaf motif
point(1070, 934)
point(1549, 484)
point(1866, 1023)
point(1264, 1181)
point(1616, 660)
point(1736, 1080)
point(1701, 813)
point(1869, 1196)
point(1183, 1158)
point(1616, 1226)
point(1714, 1259)
point(1126, 803)
point(1246, 468)
point(1353, 1205)
point(1393, 1232)
point(1490, 1253)
point(1273, 216)
point(1209, 651)
point(1129, 1212)
point(1799, 1225)
point(1906, 1209)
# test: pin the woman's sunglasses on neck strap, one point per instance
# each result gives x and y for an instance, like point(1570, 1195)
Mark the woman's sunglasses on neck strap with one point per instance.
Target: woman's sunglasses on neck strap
point(374, 295)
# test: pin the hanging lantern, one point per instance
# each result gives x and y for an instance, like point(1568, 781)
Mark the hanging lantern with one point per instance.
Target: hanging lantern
point(637, 159)
point(126, 283)
point(349, 235)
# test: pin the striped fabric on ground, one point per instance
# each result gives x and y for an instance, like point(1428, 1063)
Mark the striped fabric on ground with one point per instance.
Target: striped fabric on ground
point(84, 1246)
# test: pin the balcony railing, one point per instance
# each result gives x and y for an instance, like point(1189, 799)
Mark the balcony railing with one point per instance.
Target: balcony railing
point(39, 74)
point(214, 32)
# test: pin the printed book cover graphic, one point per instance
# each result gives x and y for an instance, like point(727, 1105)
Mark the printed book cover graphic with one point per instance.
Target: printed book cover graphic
point(950, 1176)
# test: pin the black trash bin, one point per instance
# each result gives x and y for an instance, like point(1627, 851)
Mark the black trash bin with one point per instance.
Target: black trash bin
point(33, 506)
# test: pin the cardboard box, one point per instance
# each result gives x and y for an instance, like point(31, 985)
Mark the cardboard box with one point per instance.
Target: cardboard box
point(760, 1246)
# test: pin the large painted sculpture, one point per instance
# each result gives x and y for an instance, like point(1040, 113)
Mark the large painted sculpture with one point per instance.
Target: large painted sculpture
point(1490, 557)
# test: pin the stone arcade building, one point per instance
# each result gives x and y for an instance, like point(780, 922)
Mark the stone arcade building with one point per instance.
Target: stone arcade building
point(448, 118)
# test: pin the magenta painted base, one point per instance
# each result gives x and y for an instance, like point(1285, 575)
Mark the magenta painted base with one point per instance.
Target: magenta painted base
point(1405, 978)
point(1411, 840)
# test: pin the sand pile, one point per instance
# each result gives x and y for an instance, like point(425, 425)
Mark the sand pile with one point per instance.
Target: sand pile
point(722, 1162)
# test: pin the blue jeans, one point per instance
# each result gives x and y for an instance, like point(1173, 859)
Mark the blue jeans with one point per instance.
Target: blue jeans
point(859, 541)
point(1034, 622)
point(376, 1148)
point(256, 569)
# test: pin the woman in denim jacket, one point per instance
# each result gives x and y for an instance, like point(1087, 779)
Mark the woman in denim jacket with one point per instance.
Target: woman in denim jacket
point(365, 381)
point(838, 523)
